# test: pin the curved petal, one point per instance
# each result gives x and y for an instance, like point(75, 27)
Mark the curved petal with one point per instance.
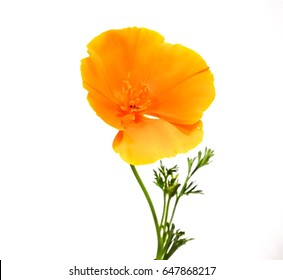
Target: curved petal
point(186, 102)
point(152, 140)
point(171, 65)
point(108, 111)
point(99, 96)
point(121, 52)
point(94, 79)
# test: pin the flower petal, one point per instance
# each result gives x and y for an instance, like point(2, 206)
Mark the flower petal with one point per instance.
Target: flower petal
point(108, 111)
point(152, 140)
point(185, 102)
point(100, 97)
point(121, 51)
point(94, 79)
point(171, 65)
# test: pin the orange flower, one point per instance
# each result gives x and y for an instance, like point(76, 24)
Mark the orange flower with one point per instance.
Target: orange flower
point(153, 92)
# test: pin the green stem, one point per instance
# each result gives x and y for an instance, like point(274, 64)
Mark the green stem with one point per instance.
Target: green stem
point(174, 209)
point(189, 175)
point(164, 209)
point(165, 221)
point(167, 211)
point(159, 240)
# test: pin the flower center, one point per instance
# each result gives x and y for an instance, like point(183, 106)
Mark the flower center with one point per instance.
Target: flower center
point(136, 99)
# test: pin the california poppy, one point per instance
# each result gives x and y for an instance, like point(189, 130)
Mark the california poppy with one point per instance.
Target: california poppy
point(153, 92)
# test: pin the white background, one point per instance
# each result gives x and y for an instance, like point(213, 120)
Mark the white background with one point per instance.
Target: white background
point(67, 199)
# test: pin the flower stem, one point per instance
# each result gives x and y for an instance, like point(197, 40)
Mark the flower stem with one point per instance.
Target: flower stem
point(174, 209)
point(164, 225)
point(159, 240)
point(164, 209)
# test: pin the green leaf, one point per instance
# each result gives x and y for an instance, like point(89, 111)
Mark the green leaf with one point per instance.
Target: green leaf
point(175, 241)
point(166, 179)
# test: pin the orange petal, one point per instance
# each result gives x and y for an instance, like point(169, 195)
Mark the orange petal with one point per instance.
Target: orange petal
point(121, 51)
point(100, 96)
point(152, 140)
point(94, 77)
point(108, 111)
point(185, 102)
point(171, 65)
